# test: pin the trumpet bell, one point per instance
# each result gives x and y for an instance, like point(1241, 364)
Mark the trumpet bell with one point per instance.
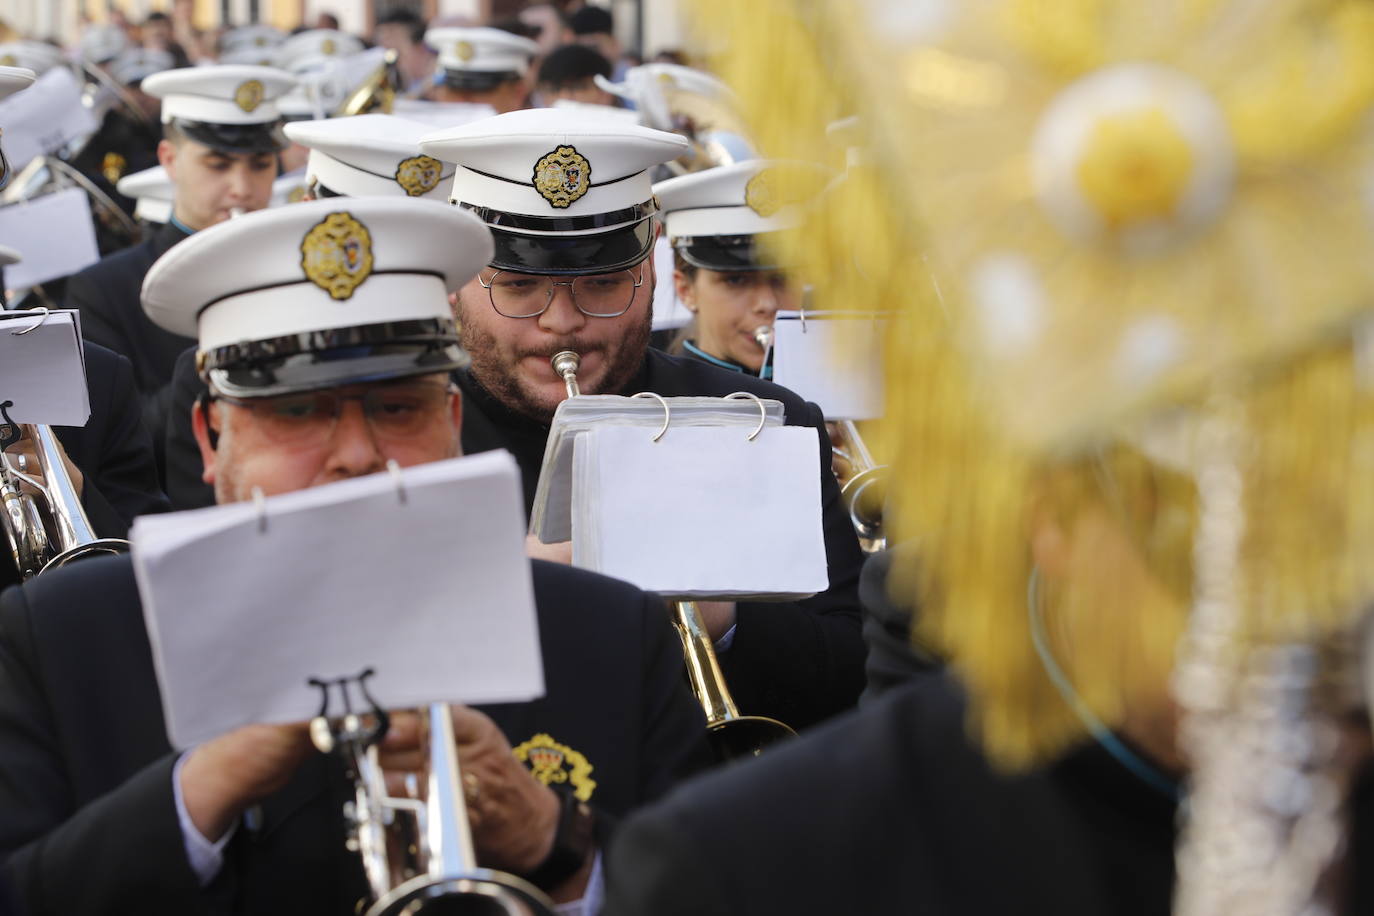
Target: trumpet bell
point(864, 495)
point(745, 736)
point(481, 892)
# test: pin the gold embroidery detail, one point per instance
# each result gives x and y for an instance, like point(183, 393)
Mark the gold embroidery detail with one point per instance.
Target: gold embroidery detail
point(464, 51)
point(336, 254)
point(249, 94)
point(554, 763)
point(419, 175)
point(562, 176)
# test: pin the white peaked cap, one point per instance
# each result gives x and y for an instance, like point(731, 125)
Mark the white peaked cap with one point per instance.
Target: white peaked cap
point(320, 293)
point(306, 48)
point(139, 63)
point(251, 36)
point(152, 192)
point(13, 79)
point(546, 175)
point(221, 93)
point(38, 56)
point(371, 154)
point(481, 50)
point(100, 43)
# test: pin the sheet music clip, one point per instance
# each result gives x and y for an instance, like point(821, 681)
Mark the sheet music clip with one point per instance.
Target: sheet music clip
point(260, 504)
point(395, 468)
point(667, 413)
point(37, 324)
point(763, 410)
point(351, 729)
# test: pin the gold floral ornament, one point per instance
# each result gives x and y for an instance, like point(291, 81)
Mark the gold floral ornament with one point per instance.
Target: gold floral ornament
point(464, 51)
point(557, 764)
point(562, 177)
point(419, 175)
point(249, 95)
point(1123, 204)
point(8, 60)
point(328, 47)
point(336, 254)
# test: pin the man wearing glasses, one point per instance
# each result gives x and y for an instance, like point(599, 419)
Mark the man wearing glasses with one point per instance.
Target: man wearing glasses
point(569, 202)
point(325, 335)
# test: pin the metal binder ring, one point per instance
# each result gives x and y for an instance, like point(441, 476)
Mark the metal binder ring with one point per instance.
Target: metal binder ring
point(667, 414)
point(763, 411)
point(260, 504)
point(395, 470)
point(37, 324)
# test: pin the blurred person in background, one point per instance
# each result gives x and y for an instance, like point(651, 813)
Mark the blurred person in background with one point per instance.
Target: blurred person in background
point(403, 31)
point(570, 73)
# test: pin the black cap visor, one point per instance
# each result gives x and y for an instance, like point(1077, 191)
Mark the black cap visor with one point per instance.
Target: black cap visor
point(478, 80)
point(266, 137)
point(723, 252)
point(333, 358)
point(558, 255)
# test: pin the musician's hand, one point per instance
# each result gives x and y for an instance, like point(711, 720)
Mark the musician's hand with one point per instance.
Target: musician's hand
point(559, 552)
point(513, 815)
point(223, 777)
point(719, 617)
point(28, 447)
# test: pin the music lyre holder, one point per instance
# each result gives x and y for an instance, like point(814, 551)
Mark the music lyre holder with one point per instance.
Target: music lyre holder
point(10, 432)
point(417, 854)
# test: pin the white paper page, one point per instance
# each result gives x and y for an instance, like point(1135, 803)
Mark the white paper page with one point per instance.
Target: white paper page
point(705, 512)
point(43, 372)
point(44, 118)
point(834, 359)
point(669, 312)
point(434, 594)
point(55, 234)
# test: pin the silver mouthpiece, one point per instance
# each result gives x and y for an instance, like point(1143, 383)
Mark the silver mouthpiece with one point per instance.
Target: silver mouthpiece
point(763, 336)
point(565, 363)
point(236, 212)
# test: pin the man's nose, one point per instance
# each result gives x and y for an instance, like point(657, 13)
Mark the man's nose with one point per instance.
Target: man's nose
point(353, 447)
point(562, 316)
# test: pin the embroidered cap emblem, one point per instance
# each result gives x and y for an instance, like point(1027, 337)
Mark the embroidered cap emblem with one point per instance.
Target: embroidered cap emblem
point(336, 254)
point(328, 47)
point(419, 175)
point(464, 51)
point(249, 94)
point(9, 60)
point(554, 764)
point(562, 176)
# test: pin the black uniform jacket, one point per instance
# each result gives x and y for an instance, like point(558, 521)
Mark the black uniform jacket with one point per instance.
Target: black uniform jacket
point(799, 662)
point(891, 810)
point(108, 295)
point(87, 814)
point(112, 451)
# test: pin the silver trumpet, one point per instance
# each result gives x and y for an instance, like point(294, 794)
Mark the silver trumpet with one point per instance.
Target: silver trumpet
point(416, 852)
point(732, 735)
point(52, 530)
point(863, 485)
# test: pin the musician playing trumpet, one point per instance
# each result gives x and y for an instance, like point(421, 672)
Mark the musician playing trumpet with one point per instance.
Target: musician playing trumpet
point(733, 288)
point(353, 300)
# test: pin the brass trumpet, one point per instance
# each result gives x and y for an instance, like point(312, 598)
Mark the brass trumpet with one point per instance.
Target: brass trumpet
point(56, 532)
point(732, 735)
point(377, 94)
point(863, 484)
point(417, 853)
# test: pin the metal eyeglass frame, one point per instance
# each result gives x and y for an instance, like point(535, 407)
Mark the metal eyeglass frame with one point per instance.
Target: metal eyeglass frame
point(572, 292)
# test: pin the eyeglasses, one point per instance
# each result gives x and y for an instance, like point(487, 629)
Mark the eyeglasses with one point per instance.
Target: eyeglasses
point(516, 295)
point(393, 412)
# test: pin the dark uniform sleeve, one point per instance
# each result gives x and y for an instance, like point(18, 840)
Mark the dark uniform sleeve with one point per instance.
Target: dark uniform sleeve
point(655, 866)
point(122, 853)
point(803, 661)
point(123, 482)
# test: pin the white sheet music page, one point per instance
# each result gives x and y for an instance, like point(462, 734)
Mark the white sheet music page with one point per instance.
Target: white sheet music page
point(54, 233)
point(834, 359)
point(45, 117)
point(703, 512)
point(433, 593)
point(43, 371)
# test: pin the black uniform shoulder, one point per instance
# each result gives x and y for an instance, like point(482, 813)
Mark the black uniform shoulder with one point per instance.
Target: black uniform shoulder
point(132, 261)
point(595, 597)
point(77, 593)
point(675, 376)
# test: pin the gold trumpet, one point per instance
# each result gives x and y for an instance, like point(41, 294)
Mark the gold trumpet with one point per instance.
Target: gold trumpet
point(732, 735)
point(417, 853)
point(54, 532)
point(377, 94)
point(863, 484)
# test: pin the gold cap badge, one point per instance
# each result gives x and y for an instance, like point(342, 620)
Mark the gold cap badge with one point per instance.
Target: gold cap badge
point(249, 94)
point(419, 175)
point(464, 51)
point(554, 764)
point(336, 254)
point(328, 47)
point(761, 194)
point(9, 60)
point(562, 176)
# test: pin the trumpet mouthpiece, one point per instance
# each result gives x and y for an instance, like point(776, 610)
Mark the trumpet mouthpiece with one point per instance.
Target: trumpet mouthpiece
point(763, 335)
point(565, 363)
